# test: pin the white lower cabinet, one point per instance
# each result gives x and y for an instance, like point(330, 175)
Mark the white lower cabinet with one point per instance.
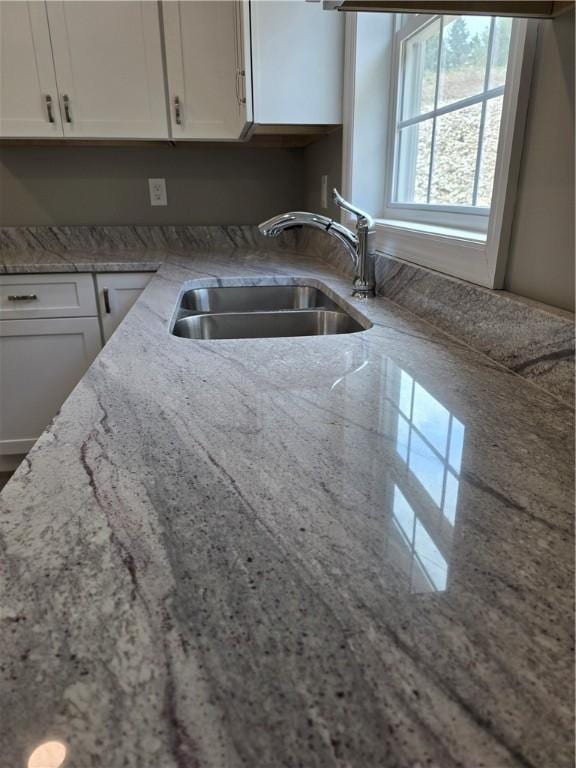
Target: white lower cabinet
point(41, 361)
point(117, 292)
point(50, 332)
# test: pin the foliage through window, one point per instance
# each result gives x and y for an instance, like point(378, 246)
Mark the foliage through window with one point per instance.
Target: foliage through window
point(452, 71)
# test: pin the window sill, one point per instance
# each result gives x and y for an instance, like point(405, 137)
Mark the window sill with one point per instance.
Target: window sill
point(436, 230)
point(457, 252)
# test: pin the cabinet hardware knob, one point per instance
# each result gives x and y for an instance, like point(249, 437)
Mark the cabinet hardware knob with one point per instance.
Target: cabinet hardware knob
point(240, 86)
point(48, 100)
point(67, 109)
point(177, 111)
point(23, 297)
point(107, 307)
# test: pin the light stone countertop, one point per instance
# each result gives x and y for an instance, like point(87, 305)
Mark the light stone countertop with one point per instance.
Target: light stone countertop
point(332, 552)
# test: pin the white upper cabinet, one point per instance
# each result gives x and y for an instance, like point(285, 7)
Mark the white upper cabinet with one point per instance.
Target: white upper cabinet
point(108, 60)
point(206, 67)
point(28, 94)
point(297, 63)
point(180, 69)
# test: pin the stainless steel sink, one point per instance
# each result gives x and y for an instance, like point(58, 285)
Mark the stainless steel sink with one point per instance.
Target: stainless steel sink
point(253, 298)
point(258, 325)
point(259, 312)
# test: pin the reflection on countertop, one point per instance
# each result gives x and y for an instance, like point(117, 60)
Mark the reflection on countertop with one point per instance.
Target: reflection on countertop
point(340, 551)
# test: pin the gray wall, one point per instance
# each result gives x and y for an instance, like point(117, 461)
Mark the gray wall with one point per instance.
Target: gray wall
point(541, 263)
point(324, 157)
point(108, 185)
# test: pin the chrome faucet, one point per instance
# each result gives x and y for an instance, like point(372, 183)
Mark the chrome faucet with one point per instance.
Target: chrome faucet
point(358, 245)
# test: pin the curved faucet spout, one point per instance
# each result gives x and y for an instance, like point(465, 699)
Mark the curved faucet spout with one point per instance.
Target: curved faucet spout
point(359, 245)
point(277, 224)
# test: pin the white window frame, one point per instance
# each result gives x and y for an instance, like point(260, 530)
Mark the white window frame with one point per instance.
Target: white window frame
point(455, 243)
point(473, 217)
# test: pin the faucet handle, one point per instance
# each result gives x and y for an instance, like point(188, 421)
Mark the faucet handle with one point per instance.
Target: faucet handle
point(358, 212)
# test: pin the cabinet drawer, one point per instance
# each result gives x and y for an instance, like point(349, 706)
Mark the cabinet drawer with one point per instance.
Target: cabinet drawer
point(25, 297)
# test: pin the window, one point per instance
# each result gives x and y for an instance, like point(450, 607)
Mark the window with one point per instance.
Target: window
point(451, 76)
point(434, 117)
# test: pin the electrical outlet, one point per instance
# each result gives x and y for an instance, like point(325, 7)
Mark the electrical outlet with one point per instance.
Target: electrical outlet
point(157, 191)
point(324, 191)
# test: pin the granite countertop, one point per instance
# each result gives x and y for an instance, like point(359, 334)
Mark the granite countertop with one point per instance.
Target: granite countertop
point(334, 552)
point(37, 261)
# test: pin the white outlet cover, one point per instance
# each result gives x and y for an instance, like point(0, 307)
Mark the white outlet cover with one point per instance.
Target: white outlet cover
point(157, 189)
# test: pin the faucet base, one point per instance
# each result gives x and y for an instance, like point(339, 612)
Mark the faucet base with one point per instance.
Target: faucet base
point(363, 289)
point(361, 293)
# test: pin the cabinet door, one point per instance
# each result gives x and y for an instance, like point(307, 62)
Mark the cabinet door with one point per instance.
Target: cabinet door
point(108, 59)
point(297, 63)
point(117, 292)
point(206, 45)
point(41, 361)
point(28, 96)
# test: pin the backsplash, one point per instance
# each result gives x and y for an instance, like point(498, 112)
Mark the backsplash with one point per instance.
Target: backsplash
point(531, 339)
point(136, 238)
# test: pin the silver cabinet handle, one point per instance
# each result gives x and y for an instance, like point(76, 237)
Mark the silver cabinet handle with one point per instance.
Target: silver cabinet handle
point(241, 86)
point(177, 111)
point(67, 110)
point(23, 297)
point(48, 100)
point(107, 307)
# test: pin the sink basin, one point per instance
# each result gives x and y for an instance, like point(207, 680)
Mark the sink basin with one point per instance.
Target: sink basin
point(260, 312)
point(253, 298)
point(258, 325)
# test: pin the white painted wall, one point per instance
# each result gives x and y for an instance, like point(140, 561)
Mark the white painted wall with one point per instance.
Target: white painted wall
point(541, 261)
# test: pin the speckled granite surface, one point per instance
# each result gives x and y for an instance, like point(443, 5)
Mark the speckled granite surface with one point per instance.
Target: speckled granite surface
point(78, 248)
point(347, 551)
point(532, 339)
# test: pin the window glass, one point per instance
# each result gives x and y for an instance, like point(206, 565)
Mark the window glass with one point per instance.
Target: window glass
point(446, 147)
point(455, 152)
point(500, 48)
point(463, 59)
point(415, 145)
point(420, 67)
